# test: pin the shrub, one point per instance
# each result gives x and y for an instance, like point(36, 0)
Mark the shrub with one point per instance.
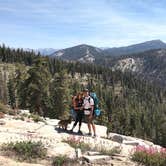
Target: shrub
point(25, 150)
point(109, 152)
point(63, 160)
point(77, 143)
point(4, 109)
point(11, 112)
point(59, 160)
point(36, 118)
point(149, 156)
point(24, 115)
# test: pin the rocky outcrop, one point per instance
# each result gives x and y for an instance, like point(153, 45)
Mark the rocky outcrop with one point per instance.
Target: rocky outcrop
point(127, 140)
point(14, 130)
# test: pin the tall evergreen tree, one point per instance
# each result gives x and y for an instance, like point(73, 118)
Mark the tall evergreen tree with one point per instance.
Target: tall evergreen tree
point(37, 85)
point(61, 95)
point(11, 93)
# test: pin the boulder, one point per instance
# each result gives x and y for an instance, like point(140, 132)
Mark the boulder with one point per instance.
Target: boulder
point(96, 159)
point(134, 143)
point(90, 153)
point(117, 138)
point(62, 149)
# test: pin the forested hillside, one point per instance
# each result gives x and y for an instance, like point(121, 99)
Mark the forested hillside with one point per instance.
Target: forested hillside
point(147, 60)
point(148, 65)
point(45, 85)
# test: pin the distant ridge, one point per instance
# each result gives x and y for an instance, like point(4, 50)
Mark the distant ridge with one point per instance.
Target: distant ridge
point(82, 53)
point(87, 53)
point(136, 48)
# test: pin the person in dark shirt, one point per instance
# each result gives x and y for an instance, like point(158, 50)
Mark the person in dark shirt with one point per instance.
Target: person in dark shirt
point(78, 108)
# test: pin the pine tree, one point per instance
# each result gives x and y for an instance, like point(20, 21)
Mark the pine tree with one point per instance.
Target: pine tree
point(60, 95)
point(37, 85)
point(11, 93)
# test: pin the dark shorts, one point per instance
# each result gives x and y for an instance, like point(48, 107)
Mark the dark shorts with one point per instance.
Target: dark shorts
point(88, 119)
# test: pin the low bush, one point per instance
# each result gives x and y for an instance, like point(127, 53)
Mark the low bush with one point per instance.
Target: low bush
point(25, 150)
point(24, 115)
point(78, 143)
point(106, 151)
point(4, 109)
point(63, 160)
point(36, 118)
point(59, 160)
point(149, 156)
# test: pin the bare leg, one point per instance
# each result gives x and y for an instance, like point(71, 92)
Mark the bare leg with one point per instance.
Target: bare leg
point(89, 125)
point(75, 123)
point(93, 127)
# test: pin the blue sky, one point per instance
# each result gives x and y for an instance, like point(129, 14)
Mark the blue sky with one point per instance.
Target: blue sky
point(65, 23)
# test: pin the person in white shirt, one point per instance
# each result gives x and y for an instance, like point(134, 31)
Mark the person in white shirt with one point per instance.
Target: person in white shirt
point(88, 106)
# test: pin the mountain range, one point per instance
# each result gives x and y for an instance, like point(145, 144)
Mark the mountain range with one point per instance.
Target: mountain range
point(141, 47)
point(42, 51)
point(87, 53)
point(147, 59)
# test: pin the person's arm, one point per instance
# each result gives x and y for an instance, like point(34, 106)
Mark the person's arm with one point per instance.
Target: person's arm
point(92, 106)
point(74, 102)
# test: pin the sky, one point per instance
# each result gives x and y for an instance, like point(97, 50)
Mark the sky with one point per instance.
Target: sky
point(65, 23)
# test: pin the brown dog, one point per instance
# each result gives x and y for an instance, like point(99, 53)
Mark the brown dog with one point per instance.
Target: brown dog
point(2, 115)
point(64, 123)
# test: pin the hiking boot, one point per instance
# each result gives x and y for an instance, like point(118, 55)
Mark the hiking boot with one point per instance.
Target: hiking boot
point(80, 132)
point(71, 131)
point(89, 134)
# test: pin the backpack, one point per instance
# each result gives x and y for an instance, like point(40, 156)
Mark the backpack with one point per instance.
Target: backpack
point(97, 111)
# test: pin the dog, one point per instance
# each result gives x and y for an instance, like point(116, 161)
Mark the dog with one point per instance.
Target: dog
point(64, 123)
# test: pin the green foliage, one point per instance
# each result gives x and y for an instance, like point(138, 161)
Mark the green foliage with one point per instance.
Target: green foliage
point(11, 92)
point(150, 157)
point(36, 118)
point(25, 150)
point(130, 105)
point(60, 95)
point(77, 143)
point(4, 108)
point(36, 86)
point(59, 160)
point(106, 151)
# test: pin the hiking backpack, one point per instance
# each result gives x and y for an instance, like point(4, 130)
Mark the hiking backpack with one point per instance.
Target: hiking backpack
point(97, 111)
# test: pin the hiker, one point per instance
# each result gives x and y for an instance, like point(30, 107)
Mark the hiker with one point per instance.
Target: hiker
point(78, 108)
point(88, 106)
